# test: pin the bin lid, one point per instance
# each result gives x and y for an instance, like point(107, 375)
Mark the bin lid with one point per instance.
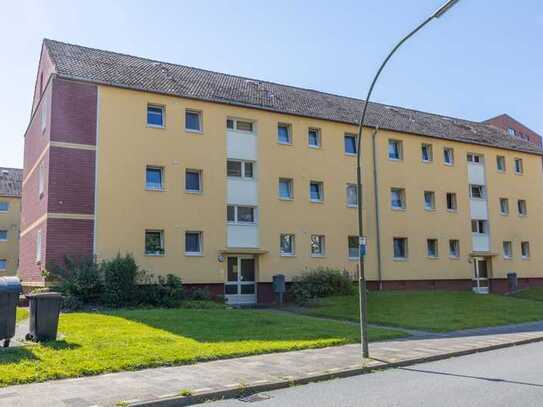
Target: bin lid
point(10, 284)
point(49, 294)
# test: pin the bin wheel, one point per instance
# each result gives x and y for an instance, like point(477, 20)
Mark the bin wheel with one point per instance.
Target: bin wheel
point(29, 337)
point(6, 343)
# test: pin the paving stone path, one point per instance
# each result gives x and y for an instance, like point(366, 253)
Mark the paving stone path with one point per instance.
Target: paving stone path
point(161, 383)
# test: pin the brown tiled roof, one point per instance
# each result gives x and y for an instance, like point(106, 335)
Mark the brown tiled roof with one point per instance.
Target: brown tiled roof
point(11, 180)
point(110, 68)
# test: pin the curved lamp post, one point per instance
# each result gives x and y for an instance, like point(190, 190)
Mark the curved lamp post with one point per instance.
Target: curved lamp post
point(362, 280)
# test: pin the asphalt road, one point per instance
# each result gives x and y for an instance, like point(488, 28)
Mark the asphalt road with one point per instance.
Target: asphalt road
point(506, 377)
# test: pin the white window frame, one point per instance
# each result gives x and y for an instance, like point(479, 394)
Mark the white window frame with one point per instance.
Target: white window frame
point(238, 222)
point(6, 203)
point(399, 145)
point(41, 179)
point(7, 237)
point(474, 158)
point(200, 121)
point(501, 158)
point(429, 242)
point(355, 248)
point(290, 182)
point(519, 169)
point(292, 253)
point(38, 246)
point(43, 114)
point(318, 133)
point(162, 250)
point(509, 245)
point(525, 254)
point(481, 226)
point(355, 137)
point(482, 189)
point(521, 203)
point(454, 200)
point(200, 243)
point(448, 152)
point(155, 126)
point(456, 253)
point(321, 191)
point(432, 196)
point(151, 188)
point(243, 169)
point(200, 179)
point(506, 201)
point(5, 262)
point(405, 249)
point(321, 245)
point(430, 152)
point(403, 200)
point(355, 187)
point(289, 134)
point(235, 125)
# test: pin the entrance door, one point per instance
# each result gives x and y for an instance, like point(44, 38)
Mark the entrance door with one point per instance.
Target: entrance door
point(480, 275)
point(240, 284)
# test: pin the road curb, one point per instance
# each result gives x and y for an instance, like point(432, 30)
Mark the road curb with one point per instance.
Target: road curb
point(178, 401)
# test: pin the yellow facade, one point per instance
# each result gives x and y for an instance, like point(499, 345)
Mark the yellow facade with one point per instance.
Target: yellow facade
point(10, 223)
point(125, 209)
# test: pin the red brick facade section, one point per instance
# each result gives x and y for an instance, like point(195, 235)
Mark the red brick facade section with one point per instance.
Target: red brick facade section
point(29, 270)
point(504, 122)
point(45, 70)
point(72, 237)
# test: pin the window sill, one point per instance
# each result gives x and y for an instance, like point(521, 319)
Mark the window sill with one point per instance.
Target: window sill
point(399, 209)
point(155, 189)
point(500, 171)
point(508, 258)
point(427, 161)
point(449, 164)
point(286, 199)
point(155, 254)
point(353, 258)
point(452, 210)
point(399, 259)
point(454, 257)
point(430, 209)
point(283, 143)
point(519, 173)
point(525, 258)
point(316, 201)
point(522, 216)
point(504, 214)
point(394, 159)
point(155, 126)
point(287, 255)
point(189, 254)
point(242, 223)
point(314, 147)
point(432, 257)
point(352, 206)
point(350, 154)
point(194, 131)
point(318, 256)
point(193, 192)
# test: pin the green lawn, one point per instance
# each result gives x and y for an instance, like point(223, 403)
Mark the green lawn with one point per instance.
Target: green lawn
point(94, 343)
point(534, 294)
point(22, 313)
point(438, 311)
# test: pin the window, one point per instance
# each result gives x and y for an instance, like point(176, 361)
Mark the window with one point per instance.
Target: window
point(3, 264)
point(316, 191)
point(285, 188)
point(397, 198)
point(507, 250)
point(500, 163)
point(511, 131)
point(352, 196)
point(154, 242)
point(241, 169)
point(479, 226)
point(240, 214)
point(155, 116)
point(154, 178)
point(400, 248)
point(394, 150)
point(3, 235)
point(429, 200)
point(239, 125)
point(41, 179)
point(193, 181)
point(193, 243)
point(193, 120)
point(43, 114)
point(426, 151)
point(352, 244)
point(454, 248)
point(519, 168)
point(431, 248)
point(314, 138)
point(522, 210)
point(38, 246)
point(4, 206)
point(287, 244)
point(477, 191)
point(350, 143)
point(284, 135)
point(317, 245)
point(452, 204)
point(474, 158)
point(448, 156)
point(525, 249)
point(504, 206)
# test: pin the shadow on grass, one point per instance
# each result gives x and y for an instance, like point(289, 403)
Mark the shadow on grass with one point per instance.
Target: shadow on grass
point(16, 355)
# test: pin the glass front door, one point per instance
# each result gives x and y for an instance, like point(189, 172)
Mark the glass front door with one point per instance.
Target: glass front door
point(480, 275)
point(240, 284)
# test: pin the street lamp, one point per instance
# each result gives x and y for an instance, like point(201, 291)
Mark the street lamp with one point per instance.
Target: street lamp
point(362, 241)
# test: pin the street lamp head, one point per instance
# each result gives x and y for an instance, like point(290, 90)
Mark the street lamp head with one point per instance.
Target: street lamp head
point(444, 8)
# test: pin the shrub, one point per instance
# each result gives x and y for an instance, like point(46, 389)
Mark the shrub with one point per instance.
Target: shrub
point(200, 294)
point(319, 282)
point(120, 279)
point(79, 278)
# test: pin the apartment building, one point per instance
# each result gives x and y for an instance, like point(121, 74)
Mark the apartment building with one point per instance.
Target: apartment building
point(514, 128)
point(10, 213)
point(226, 181)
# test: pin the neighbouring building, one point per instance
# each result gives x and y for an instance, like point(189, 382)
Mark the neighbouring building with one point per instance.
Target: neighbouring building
point(226, 181)
point(515, 128)
point(10, 215)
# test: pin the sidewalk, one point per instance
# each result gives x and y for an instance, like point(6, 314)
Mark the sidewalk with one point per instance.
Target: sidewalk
point(279, 369)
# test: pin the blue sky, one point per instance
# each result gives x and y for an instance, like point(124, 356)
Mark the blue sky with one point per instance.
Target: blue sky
point(481, 59)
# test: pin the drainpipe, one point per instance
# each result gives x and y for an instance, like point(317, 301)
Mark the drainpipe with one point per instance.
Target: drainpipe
point(377, 209)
